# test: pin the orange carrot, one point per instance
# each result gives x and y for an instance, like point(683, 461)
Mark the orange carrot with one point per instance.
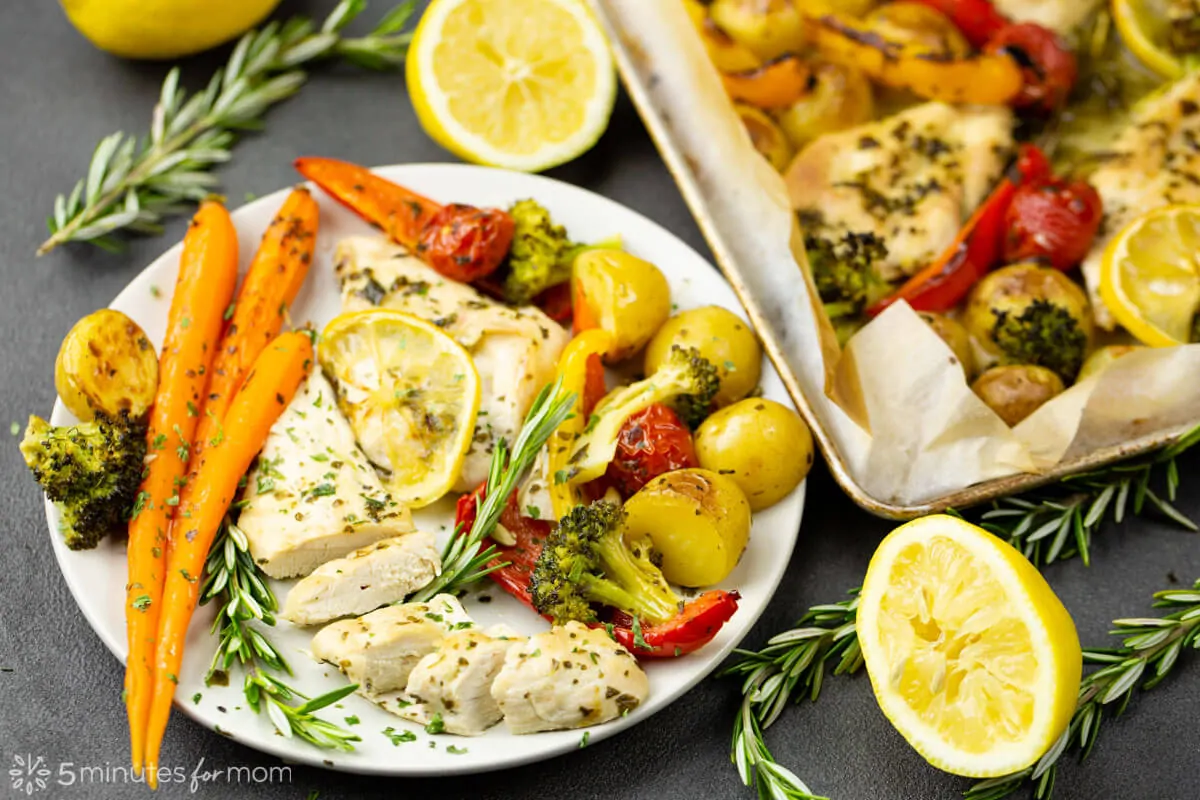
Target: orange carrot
point(207, 276)
point(266, 392)
point(272, 283)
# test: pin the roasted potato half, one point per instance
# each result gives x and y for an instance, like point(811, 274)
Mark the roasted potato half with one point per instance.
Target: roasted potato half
point(723, 338)
point(698, 521)
point(106, 365)
point(622, 294)
point(762, 445)
point(1015, 392)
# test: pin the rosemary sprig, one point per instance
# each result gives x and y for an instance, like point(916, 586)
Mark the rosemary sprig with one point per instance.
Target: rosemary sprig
point(235, 582)
point(132, 183)
point(463, 562)
point(794, 658)
point(1150, 649)
point(1058, 522)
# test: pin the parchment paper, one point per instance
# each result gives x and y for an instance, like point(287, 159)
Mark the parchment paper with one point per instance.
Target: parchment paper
point(895, 404)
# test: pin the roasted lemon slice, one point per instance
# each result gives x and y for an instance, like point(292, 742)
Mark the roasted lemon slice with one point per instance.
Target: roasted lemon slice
point(522, 84)
point(1150, 275)
point(1142, 24)
point(411, 394)
point(971, 656)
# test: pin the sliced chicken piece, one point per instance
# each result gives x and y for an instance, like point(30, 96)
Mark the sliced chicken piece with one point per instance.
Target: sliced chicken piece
point(373, 576)
point(569, 677)
point(1062, 16)
point(379, 650)
point(894, 193)
point(313, 495)
point(516, 350)
point(455, 682)
point(1154, 162)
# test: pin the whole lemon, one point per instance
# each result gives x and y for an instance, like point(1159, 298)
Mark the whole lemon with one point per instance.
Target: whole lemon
point(161, 29)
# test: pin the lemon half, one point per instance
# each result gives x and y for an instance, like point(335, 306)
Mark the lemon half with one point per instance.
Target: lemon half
point(972, 657)
point(159, 29)
point(522, 84)
point(1141, 25)
point(1150, 275)
point(411, 394)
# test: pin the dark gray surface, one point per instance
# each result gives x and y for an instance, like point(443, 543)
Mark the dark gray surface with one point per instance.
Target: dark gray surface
point(59, 688)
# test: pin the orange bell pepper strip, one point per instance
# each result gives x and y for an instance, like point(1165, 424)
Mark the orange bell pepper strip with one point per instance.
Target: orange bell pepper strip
point(985, 79)
point(779, 84)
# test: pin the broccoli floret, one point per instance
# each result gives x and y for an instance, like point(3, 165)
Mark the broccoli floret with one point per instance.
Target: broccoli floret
point(1045, 335)
point(687, 382)
point(842, 270)
point(586, 560)
point(91, 471)
point(541, 255)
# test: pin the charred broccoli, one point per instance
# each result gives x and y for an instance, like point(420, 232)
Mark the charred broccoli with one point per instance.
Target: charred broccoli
point(842, 270)
point(1045, 334)
point(687, 382)
point(91, 471)
point(586, 560)
point(541, 255)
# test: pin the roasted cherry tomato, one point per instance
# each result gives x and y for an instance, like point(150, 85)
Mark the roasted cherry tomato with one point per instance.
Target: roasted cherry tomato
point(466, 243)
point(651, 442)
point(1047, 64)
point(1055, 222)
point(556, 303)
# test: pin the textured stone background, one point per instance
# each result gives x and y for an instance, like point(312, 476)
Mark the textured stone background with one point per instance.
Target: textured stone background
point(59, 686)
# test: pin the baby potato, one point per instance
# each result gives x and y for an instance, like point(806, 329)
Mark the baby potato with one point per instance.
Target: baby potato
point(841, 98)
point(1015, 392)
point(722, 337)
point(768, 138)
point(769, 28)
point(106, 365)
point(622, 294)
point(956, 338)
point(762, 445)
point(726, 54)
point(698, 520)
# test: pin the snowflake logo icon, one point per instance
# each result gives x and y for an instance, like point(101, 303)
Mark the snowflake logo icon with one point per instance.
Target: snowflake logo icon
point(29, 773)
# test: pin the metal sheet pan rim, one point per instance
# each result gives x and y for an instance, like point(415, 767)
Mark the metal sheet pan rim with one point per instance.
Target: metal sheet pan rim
point(677, 165)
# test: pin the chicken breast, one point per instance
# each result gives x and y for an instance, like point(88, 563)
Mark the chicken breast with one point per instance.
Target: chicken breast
point(893, 194)
point(1063, 16)
point(1154, 162)
point(455, 682)
point(313, 496)
point(378, 651)
point(370, 577)
point(516, 350)
point(569, 677)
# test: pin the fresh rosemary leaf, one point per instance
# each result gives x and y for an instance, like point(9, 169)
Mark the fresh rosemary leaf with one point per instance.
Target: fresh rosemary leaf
point(133, 183)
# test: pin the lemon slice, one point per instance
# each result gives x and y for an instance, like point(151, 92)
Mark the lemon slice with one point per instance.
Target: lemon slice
point(971, 656)
point(1150, 275)
point(1142, 29)
point(522, 84)
point(411, 394)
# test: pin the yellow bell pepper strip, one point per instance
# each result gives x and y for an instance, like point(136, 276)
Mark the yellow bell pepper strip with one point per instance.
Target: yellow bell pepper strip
point(578, 362)
point(724, 51)
point(779, 84)
point(985, 78)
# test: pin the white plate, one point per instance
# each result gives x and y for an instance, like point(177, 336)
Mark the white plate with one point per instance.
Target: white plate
point(96, 578)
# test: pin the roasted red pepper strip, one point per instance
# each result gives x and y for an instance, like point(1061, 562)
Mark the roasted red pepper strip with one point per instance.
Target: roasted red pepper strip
point(556, 303)
point(688, 631)
point(978, 20)
point(462, 242)
point(694, 626)
point(977, 248)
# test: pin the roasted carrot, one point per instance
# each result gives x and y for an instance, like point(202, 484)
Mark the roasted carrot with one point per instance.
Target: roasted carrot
point(462, 242)
point(271, 284)
point(266, 392)
point(207, 276)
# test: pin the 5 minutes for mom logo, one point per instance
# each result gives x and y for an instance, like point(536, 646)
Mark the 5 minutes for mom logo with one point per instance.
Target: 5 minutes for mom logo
point(29, 774)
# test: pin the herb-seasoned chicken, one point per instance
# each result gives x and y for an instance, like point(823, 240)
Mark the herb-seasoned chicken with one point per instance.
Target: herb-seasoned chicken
point(571, 676)
point(904, 184)
point(455, 682)
point(313, 496)
point(1062, 16)
point(1154, 162)
point(515, 350)
point(378, 651)
point(373, 576)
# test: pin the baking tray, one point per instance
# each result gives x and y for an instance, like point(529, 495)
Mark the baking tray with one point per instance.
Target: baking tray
point(640, 83)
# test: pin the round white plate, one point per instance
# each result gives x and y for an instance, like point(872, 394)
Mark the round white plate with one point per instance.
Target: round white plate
point(96, 578)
